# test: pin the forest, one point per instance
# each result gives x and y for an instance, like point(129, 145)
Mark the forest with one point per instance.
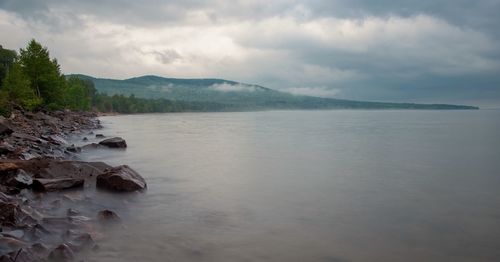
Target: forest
point(33, 81)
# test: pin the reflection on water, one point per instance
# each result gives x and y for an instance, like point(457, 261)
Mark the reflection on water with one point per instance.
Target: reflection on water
point(309, 186)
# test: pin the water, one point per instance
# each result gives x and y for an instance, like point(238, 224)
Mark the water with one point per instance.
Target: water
point(308, 186)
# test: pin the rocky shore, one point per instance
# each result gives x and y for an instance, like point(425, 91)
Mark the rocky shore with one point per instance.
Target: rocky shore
point(46, 213)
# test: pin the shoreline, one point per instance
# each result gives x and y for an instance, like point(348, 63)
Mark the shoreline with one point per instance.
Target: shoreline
point(48, 209)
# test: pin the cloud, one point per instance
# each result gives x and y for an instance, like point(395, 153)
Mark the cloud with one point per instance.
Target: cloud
point(350, 49)
point(226, 87)
point(313, 91)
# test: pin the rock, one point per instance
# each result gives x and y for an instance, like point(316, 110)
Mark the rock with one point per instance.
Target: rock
point(6, 167)
point(11, 242)
point(36, 232)
point(14, 233)
point(92, 146)
point(5, 129)
point(8, 213)
point(61, 253)
point(99, 136)
point(39, 248)
point(81, 242)
point(107, 216)
point(29, 138)
point(12, 215)
point(20, 180)
point(121, 178)
point(74, 149)
point(41, 184)
point(22, 255)
point(72, 212)
point(85, 138)
point(115, 142)
point(6, 148)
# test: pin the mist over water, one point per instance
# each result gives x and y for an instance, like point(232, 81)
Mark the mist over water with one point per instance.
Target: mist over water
point(344, 185)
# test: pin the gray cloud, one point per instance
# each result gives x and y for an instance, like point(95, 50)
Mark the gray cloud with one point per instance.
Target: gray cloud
point(374, 50)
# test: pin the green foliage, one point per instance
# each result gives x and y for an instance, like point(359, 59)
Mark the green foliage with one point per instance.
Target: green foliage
point(78, 94)
point(16, 89)
point(131, 105)
point(43, 73)
point(7, 58)
point(237, 96)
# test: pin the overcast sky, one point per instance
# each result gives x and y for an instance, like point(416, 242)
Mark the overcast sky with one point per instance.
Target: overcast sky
point(421, 51)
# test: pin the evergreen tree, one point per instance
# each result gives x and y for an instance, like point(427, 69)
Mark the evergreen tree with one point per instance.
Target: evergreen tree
point(16, 89)
point(7, 58)
point(44, 74)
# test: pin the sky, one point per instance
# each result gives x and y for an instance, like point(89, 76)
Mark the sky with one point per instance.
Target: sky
point(433, 51)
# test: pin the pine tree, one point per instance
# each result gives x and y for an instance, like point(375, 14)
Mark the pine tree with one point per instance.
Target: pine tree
point(44, 74)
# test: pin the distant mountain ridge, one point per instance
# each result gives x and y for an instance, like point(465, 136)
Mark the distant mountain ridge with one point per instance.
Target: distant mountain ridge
point(238, 96)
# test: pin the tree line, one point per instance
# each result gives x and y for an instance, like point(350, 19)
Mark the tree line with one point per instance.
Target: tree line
point(33, 81)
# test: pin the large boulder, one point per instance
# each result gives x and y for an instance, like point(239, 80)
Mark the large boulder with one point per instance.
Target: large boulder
point(54, 184)
point(115, 142)
point(121, 178)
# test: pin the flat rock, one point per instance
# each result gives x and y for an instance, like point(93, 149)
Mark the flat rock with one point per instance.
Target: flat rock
point(53, 184)
point(29, 138)
point(121, 178)
point(115, 142)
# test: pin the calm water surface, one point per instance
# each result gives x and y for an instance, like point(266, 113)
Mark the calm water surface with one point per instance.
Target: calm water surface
point(308, 186)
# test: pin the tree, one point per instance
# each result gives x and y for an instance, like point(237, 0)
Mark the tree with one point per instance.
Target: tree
point(44, 74)
point(16, 89)
point(78, 94)
point(7, 58)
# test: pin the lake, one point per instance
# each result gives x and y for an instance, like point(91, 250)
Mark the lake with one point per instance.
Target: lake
point(339, 185)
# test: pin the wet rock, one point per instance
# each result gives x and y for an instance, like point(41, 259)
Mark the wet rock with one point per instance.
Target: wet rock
point(29, 156)
point(14, 233)
point(36, 232)
point(107, 216)
point(92, 146)
point(85, 138)
point(12, 215)
point(24, 255)
point(41, 184)
point(40, 248)
point(29, 138)
point(74, 149)
point(20, 180)
point(52, 168)
point(8, 213)
point(61, 253)
point(72, 212)
point(11, 243)
point(81, 242)
point(115, 142)
point(56, 139)
point(121, 178)
point(99, 136)
point(6, 148)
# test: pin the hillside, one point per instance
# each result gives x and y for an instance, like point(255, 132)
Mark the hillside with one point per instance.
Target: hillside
point(237, 95)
